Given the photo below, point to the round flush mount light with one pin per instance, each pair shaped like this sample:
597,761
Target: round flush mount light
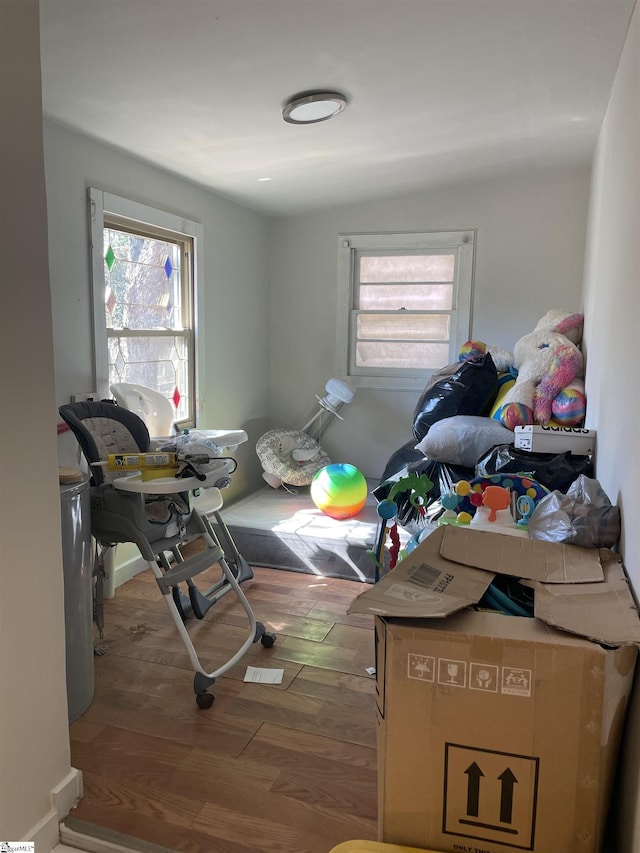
310,107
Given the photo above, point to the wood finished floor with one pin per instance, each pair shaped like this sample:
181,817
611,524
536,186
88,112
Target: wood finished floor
287,768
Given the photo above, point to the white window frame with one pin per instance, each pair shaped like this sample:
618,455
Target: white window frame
459,243
101,203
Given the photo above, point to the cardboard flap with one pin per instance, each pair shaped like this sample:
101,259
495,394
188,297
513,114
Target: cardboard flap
604,612
535,559
424,585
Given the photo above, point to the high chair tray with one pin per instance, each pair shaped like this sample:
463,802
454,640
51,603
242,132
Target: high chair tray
168,485
226,437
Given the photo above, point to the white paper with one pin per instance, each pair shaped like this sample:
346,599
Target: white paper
258,675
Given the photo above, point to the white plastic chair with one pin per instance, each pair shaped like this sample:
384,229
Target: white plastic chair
150,405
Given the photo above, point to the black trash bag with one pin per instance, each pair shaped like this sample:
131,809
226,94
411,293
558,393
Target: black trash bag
401,459
556,471
443,477
463,388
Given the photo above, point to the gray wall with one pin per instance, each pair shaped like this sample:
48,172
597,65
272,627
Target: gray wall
529,258
233,389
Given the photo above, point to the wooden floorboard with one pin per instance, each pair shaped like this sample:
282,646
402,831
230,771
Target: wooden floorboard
288,768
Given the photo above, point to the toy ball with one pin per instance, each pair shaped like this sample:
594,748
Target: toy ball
463,487
387,510
339,490
516,414
568,408
471,349
450,501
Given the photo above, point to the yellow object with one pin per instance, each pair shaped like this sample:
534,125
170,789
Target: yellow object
504,389
155,473
376,847
141,461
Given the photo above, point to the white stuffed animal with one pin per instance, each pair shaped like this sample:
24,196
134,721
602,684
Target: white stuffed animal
548,360
549,387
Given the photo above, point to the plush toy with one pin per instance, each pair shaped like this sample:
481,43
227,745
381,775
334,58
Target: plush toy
548,371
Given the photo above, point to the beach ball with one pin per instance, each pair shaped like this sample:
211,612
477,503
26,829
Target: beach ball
569,407
339,490
515,414
471,349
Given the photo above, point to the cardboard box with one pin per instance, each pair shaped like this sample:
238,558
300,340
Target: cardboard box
499,733
548,439
374,847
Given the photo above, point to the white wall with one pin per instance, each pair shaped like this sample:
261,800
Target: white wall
36,777
612,343
529,258
233,381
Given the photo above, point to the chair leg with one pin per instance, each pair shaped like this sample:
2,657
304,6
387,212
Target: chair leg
181,601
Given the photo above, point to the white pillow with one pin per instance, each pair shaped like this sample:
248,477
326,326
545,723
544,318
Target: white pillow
463,439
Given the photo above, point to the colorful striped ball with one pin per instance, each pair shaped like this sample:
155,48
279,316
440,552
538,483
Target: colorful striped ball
339,490
471,349
569,407
516,414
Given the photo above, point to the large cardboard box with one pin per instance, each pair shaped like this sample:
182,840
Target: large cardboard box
500,733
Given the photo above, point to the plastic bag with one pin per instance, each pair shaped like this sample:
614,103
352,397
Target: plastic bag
401,459
584,516
555,471
193,442
462,388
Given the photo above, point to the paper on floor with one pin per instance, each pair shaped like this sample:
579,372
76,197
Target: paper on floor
260,675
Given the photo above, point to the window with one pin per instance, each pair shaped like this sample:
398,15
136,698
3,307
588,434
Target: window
404,306
144,269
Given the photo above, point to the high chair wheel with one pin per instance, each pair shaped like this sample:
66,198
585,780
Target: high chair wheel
268,640
204,700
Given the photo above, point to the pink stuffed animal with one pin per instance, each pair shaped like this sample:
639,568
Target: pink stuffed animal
549,364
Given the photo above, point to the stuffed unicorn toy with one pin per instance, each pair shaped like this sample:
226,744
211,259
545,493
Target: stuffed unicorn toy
549,386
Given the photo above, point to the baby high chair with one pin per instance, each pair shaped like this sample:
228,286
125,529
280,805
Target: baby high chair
158,413
158,515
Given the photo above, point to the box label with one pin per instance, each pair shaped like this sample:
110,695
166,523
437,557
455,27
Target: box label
484,676
490,795
474,675
516,681
421,667
452,672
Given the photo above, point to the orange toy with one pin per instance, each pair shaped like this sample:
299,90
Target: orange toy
496,498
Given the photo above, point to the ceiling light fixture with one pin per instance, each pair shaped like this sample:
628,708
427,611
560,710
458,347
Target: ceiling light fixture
310,107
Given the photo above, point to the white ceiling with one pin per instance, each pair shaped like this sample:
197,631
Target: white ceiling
439,90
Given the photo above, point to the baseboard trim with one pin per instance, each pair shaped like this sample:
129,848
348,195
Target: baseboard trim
95,839
128,569
68,793
46,833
